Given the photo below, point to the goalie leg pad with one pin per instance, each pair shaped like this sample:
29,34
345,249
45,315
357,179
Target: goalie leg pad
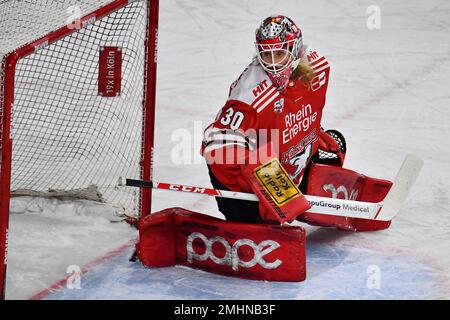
336,182
252,251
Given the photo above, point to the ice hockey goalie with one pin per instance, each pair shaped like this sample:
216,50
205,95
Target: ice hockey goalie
278,100
268,136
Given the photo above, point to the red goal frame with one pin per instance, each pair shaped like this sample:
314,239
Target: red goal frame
10,62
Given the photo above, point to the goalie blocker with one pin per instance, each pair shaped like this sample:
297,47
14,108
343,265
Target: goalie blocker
261,173
176,236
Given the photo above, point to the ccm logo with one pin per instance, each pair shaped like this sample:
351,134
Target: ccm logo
231,257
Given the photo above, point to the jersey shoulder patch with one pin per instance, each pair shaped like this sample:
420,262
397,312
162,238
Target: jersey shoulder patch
254,88
317,61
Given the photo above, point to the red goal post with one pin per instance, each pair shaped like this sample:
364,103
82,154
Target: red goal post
56,130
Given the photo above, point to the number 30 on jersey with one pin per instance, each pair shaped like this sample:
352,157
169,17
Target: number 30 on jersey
232,118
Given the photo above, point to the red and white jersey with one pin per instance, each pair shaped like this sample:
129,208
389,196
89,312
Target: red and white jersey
291,118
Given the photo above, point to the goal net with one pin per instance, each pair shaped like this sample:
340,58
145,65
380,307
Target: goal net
77,94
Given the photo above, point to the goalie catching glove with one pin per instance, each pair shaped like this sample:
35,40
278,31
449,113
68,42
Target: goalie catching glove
331,148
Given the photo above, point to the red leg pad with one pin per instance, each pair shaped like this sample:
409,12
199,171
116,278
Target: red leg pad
336,182
252,251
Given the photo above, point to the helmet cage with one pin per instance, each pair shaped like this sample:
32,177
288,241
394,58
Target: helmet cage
279,48
266,55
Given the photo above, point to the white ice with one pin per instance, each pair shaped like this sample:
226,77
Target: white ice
388,94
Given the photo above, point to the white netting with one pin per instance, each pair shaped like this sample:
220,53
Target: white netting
66,136
23,21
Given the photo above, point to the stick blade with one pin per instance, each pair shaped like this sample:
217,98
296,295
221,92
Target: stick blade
403,183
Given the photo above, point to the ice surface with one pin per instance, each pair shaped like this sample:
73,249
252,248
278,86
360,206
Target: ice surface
388,94
334,272
49,236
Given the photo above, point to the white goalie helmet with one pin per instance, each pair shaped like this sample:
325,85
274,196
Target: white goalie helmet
279,48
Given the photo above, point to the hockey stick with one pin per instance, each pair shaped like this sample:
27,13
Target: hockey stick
383,211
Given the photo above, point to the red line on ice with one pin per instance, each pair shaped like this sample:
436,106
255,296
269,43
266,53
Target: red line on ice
62,282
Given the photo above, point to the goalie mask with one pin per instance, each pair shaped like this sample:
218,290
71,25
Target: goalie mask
279,47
